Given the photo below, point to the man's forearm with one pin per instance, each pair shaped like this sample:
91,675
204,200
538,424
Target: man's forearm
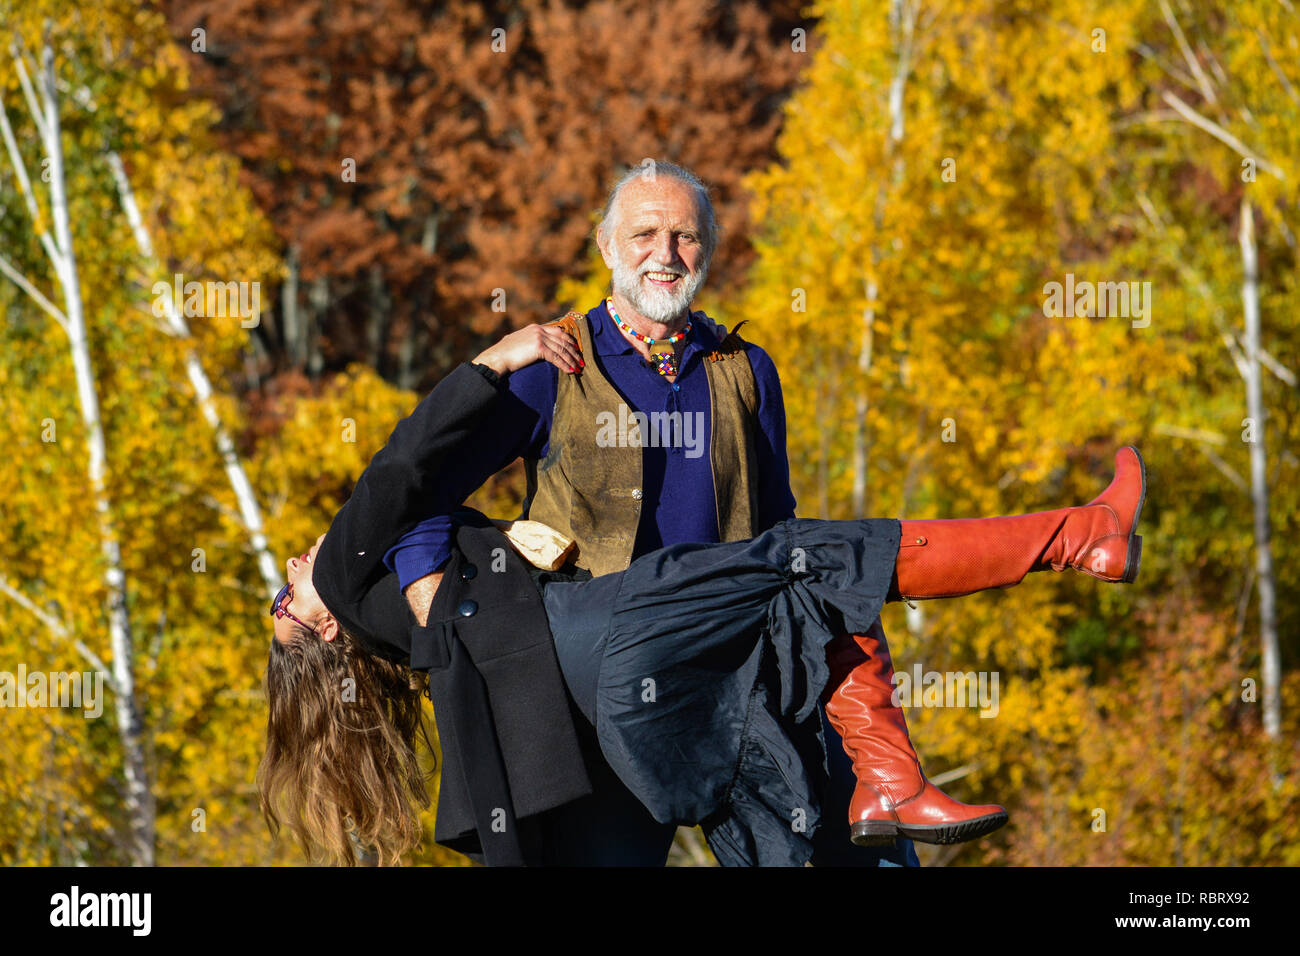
419,594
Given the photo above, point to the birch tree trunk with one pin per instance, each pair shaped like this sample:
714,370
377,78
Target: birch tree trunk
1272,674
319,294
902,23
249,511
294,339
378,308
137,796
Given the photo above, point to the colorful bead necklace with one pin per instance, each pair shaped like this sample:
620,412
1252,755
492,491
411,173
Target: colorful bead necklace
663,350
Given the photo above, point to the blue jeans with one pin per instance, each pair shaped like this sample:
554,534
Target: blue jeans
611,827
832,846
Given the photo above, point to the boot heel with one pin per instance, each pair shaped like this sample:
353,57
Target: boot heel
1134,560
873,833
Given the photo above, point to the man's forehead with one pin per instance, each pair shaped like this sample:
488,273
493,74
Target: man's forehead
652,202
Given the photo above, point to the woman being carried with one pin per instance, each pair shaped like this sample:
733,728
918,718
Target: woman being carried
700,666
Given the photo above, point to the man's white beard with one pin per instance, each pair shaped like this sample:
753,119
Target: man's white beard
657,305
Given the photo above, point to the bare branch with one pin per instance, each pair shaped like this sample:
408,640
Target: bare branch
58,629
19,53
1219,133
1202,81
1192,434
1277,70
1145,118
1216,315
1147,53
1277,368
1203,440
948,776
1215,66
20,280
25,187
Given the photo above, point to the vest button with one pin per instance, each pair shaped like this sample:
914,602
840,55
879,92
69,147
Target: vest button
467,608
636,494
468,572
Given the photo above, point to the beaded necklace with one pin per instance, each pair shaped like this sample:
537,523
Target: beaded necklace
662,350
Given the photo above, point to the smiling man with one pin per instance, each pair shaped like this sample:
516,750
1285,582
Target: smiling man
641,355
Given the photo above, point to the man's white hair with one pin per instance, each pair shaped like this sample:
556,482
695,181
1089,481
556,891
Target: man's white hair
653,170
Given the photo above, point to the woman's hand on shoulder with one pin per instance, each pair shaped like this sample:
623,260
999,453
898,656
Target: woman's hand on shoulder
533,343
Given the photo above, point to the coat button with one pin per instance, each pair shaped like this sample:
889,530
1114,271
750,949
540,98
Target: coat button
467,608
636,494
468,572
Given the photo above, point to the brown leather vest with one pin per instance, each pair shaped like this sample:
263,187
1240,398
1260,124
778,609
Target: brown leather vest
589,488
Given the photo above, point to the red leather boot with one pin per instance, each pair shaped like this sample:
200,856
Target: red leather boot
948,559
893,798
939,559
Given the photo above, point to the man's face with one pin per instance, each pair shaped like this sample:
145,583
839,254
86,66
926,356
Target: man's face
305,603
656,249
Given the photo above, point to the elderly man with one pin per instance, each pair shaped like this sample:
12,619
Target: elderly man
689,447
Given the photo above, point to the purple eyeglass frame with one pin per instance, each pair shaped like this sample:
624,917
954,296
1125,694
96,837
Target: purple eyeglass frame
278,609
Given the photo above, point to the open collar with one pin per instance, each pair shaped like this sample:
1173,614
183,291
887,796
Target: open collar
608,340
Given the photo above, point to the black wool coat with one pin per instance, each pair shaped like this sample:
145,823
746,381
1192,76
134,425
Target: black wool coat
505,721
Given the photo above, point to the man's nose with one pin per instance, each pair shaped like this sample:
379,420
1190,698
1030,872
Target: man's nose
666,250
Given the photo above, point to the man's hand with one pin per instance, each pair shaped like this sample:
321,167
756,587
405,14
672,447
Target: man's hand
530,344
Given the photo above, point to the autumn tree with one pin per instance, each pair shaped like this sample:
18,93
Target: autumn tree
943,166
432,168
113,508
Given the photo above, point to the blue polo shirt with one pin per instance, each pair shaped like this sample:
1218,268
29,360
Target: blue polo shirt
677,476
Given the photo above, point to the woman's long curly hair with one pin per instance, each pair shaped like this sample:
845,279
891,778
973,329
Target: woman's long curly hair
340,769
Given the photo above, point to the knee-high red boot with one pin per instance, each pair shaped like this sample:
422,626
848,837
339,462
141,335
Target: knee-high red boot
950,558
947,559
893,798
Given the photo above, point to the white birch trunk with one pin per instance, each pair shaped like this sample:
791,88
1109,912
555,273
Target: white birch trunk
1272,674
292,325
902,22
138,799
249,511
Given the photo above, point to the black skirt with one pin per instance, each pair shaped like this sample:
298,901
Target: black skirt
702,667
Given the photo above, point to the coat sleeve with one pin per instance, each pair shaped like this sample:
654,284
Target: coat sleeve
399,488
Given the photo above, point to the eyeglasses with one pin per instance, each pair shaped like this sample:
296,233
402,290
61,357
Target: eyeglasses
278,609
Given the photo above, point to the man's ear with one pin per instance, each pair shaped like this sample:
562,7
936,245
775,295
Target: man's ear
328,629
603,244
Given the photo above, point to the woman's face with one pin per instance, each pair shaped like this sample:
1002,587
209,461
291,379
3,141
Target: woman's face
303,601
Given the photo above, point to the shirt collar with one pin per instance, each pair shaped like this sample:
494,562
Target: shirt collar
608,340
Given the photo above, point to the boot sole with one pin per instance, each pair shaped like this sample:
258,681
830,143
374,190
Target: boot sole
1133,556
1135,540
883,832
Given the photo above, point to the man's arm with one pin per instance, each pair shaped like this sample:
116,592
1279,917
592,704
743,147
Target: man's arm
419,594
